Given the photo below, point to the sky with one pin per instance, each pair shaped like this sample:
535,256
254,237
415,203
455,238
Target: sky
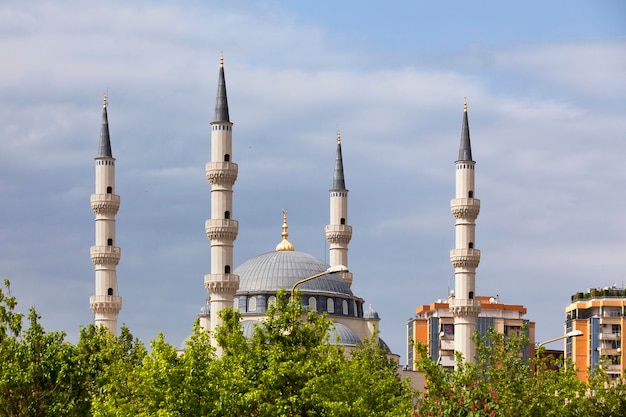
545,85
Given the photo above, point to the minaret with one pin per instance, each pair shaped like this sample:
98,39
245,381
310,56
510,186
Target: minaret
465,257
338,232
221,229
105,304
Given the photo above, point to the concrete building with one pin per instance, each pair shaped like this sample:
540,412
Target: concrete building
434,326
600,313
106,303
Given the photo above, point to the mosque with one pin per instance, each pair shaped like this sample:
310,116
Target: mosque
251,287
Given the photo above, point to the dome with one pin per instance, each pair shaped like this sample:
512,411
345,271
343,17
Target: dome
342,335
272,271
384,346
370,313
205,310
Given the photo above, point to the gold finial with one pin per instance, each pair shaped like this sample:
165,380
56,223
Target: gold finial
104,103
465,104
338,135
284,245
221,59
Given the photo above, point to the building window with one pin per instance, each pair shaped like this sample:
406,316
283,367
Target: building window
345,307
343,221
252,304
312,304
471,245
110,291
227,214
227,269
227,158
271,301
109,242
471,295
330,305
470,194
109,190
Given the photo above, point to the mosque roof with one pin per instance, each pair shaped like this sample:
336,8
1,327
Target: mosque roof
272,271
342,335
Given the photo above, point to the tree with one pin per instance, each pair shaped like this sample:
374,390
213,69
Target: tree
502,383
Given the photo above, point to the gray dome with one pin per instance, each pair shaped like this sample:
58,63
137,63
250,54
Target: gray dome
370,313
342,335
383,345
272,271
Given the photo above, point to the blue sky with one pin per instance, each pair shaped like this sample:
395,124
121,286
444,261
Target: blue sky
545,86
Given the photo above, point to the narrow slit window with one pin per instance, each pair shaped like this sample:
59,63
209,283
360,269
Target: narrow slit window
109,190
227,158
110,291
109,242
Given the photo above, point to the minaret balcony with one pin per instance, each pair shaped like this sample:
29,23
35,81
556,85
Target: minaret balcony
105,255
465,258
338,233
101,304
221,229
221,173
221,283
465,208
105,203
464,307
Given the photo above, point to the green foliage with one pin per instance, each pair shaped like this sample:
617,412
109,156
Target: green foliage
502,383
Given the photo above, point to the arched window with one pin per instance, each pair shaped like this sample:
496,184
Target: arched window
110,291
471,295
471,245
226,158
345,307
227,269
252,304
109,242
109,190
470,194
330,305
312,304
271,301
227,214
343,221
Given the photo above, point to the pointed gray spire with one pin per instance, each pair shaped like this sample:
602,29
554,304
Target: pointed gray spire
221,103
338,180
465,150
105,142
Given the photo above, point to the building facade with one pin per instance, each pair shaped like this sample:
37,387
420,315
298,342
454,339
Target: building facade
433,326
600,313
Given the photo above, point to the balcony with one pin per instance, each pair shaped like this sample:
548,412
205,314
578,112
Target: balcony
221,173
221,229
105,203
468,258
105,255
221,283
105,303
465,208
338,233
610,336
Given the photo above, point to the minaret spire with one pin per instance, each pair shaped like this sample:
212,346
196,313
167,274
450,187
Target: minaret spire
221,102
104,149
465,257
338,232
105,304
465,149
221,229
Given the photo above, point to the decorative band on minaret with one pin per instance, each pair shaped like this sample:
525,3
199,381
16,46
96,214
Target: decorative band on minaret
465,257
338,232
105,304
221,229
